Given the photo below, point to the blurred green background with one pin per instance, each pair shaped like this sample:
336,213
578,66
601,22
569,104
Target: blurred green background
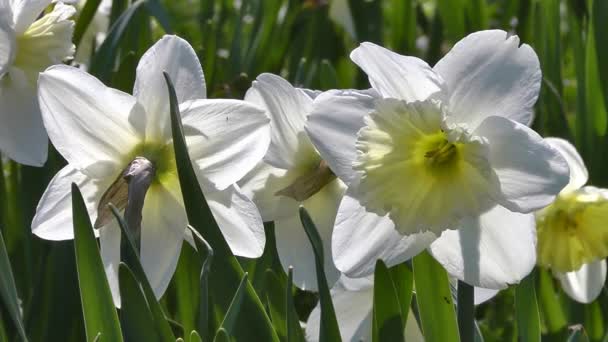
308,43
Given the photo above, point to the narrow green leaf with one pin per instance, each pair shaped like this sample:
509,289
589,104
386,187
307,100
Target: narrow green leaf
328,76
226,270
130,256
578,334
403,280
600,29
526,310
8,290
204,323
387,322
84,19
222,336
554,316
156,9
135,315
434,299
329,330
466,311
124,78
294,332
195,337
229,322
97,305
277,302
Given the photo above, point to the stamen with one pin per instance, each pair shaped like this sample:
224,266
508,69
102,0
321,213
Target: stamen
444,153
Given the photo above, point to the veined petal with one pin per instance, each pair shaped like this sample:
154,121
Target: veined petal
530,171
292,243
109,243
578,172
53,219
396,76
360,238
239,221
176,57
353,306
482,295
226,138
333,125
25,12
262,185
22,134
93,127
489,74
585,284
7,43
492,251
163,227
288,108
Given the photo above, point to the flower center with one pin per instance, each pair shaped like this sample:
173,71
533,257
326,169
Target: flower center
572,231
425,175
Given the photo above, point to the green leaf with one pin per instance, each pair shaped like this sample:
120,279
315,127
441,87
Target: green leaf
329,330
204,322
554,317
226,270
97,304
135,315
403,280
195,337
526,310
156,9
466,311
222,336
277,302
387,322
84,19
600,29
8,290
294,331
434,299
578,334
229,322
131,257
103,61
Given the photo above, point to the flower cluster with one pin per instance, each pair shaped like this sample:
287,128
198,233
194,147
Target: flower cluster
429,158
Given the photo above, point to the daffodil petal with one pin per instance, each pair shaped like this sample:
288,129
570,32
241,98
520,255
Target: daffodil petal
585,284
353,301
109,245
53,219
292,243
333,125
91,125
25,12
578,172
288,108
239,221
7,43
175,56
396,76
492,251
22,134
360,238
482,295
489,74
226,138
163,227
262,184
531,173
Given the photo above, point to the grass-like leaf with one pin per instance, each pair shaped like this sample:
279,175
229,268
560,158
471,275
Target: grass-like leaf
8,290
387,319
526,310
135,316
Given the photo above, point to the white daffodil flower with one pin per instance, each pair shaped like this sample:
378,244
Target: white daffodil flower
100,131
95,33
440,152
573,231
28,45
293,174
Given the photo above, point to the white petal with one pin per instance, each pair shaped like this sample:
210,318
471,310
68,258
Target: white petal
360,238
239,221
109,243
293,246
531,173
7,43
25,12
578,172
333,125
262,184
492,251
353,311
488,73
22,134
226,138
483,295
163,227
53,219
288,108
93,127
393,75
175,56
584,285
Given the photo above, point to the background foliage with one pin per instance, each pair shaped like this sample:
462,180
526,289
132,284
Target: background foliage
236,40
